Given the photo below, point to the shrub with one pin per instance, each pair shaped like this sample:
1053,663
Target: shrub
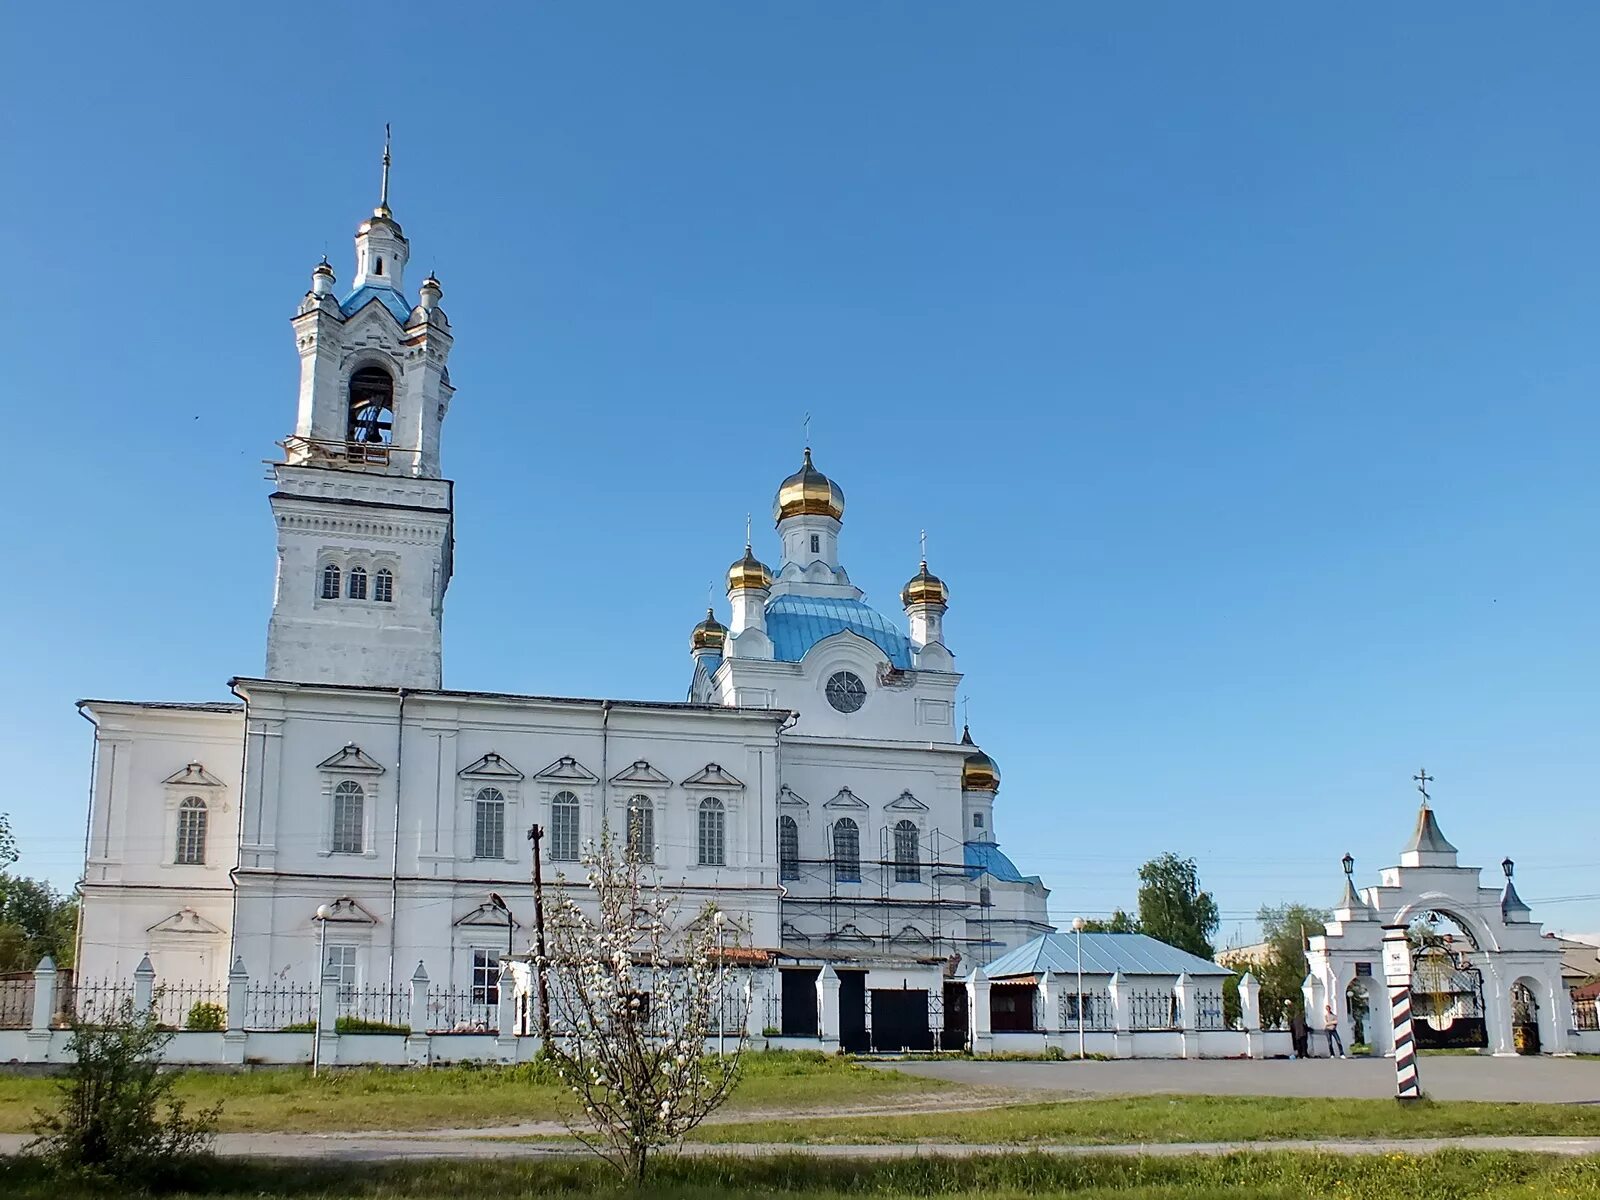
206,1018
362,1025
771,1031
110,1122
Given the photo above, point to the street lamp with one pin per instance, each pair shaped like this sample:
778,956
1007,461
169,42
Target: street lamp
1349,863
1077,930
494,899
718,919
321,918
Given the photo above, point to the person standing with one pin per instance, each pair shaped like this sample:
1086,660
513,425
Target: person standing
1330,1023
1299,1035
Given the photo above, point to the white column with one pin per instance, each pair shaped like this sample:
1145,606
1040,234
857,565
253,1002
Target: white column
144,985
828,1007
327,1034
1250,1002
1188,1002
233,1040
44,1007
507,1017
978,1012
418,1044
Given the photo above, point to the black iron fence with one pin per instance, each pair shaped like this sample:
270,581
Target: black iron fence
279,1005
1091,1010
16,1002
1208,1011
1152,1010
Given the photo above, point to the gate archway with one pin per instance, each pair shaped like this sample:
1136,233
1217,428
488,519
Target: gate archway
1524,1017
1446,988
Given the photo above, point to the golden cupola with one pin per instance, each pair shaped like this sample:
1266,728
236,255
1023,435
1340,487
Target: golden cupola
924,588
710,634
808,492
749,572
978,771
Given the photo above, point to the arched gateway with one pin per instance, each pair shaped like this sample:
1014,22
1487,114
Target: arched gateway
1483,976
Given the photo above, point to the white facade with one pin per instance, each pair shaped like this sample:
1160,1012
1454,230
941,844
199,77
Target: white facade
813,785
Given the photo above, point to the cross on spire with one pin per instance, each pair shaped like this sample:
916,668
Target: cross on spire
383,195
806,426
924,540
1422,779
747,533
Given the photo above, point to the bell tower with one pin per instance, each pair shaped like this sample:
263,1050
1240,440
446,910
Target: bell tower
365,520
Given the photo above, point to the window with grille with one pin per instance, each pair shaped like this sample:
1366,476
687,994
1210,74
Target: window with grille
564,827
383,586
330,581
489,825
358,583
349,819
816,544
713,829
907,864
846,851
642,829
342,964
191,832
977,820
485,977
788,848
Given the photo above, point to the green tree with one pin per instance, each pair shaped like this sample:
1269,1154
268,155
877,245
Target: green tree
1173,909
1282,968
35,920
1117,922
8,843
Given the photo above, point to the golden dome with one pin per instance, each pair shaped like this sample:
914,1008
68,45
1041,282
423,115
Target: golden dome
710,634
978,771
749,572
924,588
808,492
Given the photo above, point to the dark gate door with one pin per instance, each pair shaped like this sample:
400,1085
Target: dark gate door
800,1002
1524,1019
853,1012
1446,999
900,1020
954,1034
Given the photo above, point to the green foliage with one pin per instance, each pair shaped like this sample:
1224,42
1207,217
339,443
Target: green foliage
1173,909
205,1017
35,920
117,1118
362,1025
8,842
1283,968
1118,922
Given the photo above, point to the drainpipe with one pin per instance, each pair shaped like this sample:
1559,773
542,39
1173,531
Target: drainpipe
88,837
238,849
605,768
394,862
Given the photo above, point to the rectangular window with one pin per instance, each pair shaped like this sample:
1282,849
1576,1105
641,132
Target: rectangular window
485,977
349,819
564,828
977,820
191,833
816,544
489,834
342,963
642,829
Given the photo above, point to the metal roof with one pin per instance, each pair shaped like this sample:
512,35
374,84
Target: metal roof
1103,954
391,299
1427,837
797,623
985,858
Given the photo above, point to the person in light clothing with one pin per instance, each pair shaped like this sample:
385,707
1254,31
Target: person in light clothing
1330,1023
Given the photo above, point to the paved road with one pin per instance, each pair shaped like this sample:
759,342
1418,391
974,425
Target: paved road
1558,1080
396,1147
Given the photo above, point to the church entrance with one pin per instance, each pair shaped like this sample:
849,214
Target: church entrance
1524,1018
799,1015
1446,991
900,1020
954,1034
853,1038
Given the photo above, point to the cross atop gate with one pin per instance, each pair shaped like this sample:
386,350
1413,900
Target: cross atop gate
1422,779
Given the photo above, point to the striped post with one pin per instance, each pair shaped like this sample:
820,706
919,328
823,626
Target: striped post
1397,972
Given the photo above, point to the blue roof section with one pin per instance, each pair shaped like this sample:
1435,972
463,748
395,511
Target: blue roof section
797,623
392,300
985,857
1103,954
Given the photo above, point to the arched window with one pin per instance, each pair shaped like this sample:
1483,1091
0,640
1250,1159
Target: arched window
191,832
846,851
713,831
358,583
371,407
383,586
489,824
907,865
379,271
564,827
642,829
330,581
788,848
349,819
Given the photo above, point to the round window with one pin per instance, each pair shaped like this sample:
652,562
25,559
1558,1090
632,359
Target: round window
846,692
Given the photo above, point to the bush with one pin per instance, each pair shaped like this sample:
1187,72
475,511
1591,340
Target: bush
206,1018
362,1025
110,1122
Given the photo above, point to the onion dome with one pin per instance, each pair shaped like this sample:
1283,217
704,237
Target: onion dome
808,492
978,771
749,572
710,634
924,588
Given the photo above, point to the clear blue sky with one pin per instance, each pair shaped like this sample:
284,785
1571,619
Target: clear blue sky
1239,361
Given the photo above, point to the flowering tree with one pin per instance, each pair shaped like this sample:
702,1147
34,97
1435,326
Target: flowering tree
633,994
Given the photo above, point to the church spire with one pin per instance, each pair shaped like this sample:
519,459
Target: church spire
383,193
381,246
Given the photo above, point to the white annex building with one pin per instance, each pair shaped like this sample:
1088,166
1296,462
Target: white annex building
813,786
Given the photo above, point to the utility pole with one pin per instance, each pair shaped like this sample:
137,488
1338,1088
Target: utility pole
535,834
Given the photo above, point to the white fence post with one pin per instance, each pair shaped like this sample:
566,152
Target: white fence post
419,1045
828,1007
144,986
44,1007
1250,1014
506,993
978,1014
238,990
326,1051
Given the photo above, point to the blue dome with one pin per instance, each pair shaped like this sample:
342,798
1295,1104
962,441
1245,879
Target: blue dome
391,299
984,858
797,623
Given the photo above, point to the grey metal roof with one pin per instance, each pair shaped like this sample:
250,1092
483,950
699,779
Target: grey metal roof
1427,838
1103,954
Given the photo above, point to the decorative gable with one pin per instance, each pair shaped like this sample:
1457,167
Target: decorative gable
193,776
184,921
491,766
712,776
352,760
846,799
641,773
348,911
487,914
789,798
906,802
567,769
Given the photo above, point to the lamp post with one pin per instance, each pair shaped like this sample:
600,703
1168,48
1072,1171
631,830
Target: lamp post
722,980
494,899
1077,930
321,918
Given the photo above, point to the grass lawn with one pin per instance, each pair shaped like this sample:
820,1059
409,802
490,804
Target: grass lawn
289,1100
1450,1176
1176,1119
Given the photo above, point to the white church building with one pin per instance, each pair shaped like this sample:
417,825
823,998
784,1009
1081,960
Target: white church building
814,785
